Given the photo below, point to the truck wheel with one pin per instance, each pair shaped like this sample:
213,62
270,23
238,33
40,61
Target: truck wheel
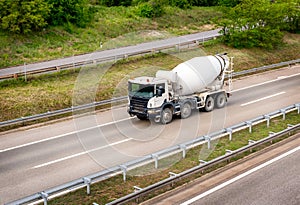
166,116
221,100
186,110
209,104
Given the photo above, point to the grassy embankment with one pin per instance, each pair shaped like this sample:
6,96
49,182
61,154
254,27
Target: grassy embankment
113,188
108,23
56,91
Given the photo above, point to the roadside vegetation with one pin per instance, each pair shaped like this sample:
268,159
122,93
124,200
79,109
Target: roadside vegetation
40,30
71,27
39,94
107,24
114,188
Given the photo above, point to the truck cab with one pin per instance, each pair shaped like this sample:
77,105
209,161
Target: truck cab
146,96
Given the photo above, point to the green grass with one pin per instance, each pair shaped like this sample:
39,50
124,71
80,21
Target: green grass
59,90
111,25
113,188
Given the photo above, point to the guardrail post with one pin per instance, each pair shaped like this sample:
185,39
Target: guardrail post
251,142
44,195
283,113
229,130
183,148
271,133
202,162
136,188
172,174
228,151
249,123
124,170
155,157
208,141
298,107
268,118
87,181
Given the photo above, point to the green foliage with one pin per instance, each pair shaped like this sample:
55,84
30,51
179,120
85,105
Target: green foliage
183,4
291,8
257,23
110,3
229,3
150,9
77,12
23,16
203,2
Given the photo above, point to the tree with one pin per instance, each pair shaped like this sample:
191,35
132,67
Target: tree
255,23
23,16
77,12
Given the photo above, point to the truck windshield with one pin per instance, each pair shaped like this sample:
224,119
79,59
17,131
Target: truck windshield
141,90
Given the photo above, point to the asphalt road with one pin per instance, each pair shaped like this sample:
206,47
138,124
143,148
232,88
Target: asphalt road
39,158
110,54
277,183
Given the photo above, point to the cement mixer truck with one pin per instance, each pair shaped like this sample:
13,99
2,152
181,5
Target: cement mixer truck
194,84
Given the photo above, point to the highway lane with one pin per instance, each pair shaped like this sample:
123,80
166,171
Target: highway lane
274,182
34,167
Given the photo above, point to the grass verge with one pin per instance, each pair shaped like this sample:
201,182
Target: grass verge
56,91
111,25
113,188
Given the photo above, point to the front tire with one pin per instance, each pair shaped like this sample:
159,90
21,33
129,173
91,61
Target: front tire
166,116
209,104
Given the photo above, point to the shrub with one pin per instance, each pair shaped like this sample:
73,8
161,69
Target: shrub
150,9
23,16
77,12
183,4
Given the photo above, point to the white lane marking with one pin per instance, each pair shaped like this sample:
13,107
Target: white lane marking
259,84
261,99
74,132
79,154
62,135
240,176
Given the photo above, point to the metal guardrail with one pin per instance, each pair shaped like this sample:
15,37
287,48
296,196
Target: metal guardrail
123,168
123,98
61,112
201,167
123,55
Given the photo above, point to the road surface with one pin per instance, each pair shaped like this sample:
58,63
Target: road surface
276,184
42,157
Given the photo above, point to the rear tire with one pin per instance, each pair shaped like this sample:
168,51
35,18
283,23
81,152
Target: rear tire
221,100
166,116
186,110
209,104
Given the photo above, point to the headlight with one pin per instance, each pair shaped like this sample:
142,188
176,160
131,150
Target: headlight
151,111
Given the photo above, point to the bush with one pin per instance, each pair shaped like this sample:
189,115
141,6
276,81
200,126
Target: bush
150,9
110,3
183,4
264,37
77,12
23,16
